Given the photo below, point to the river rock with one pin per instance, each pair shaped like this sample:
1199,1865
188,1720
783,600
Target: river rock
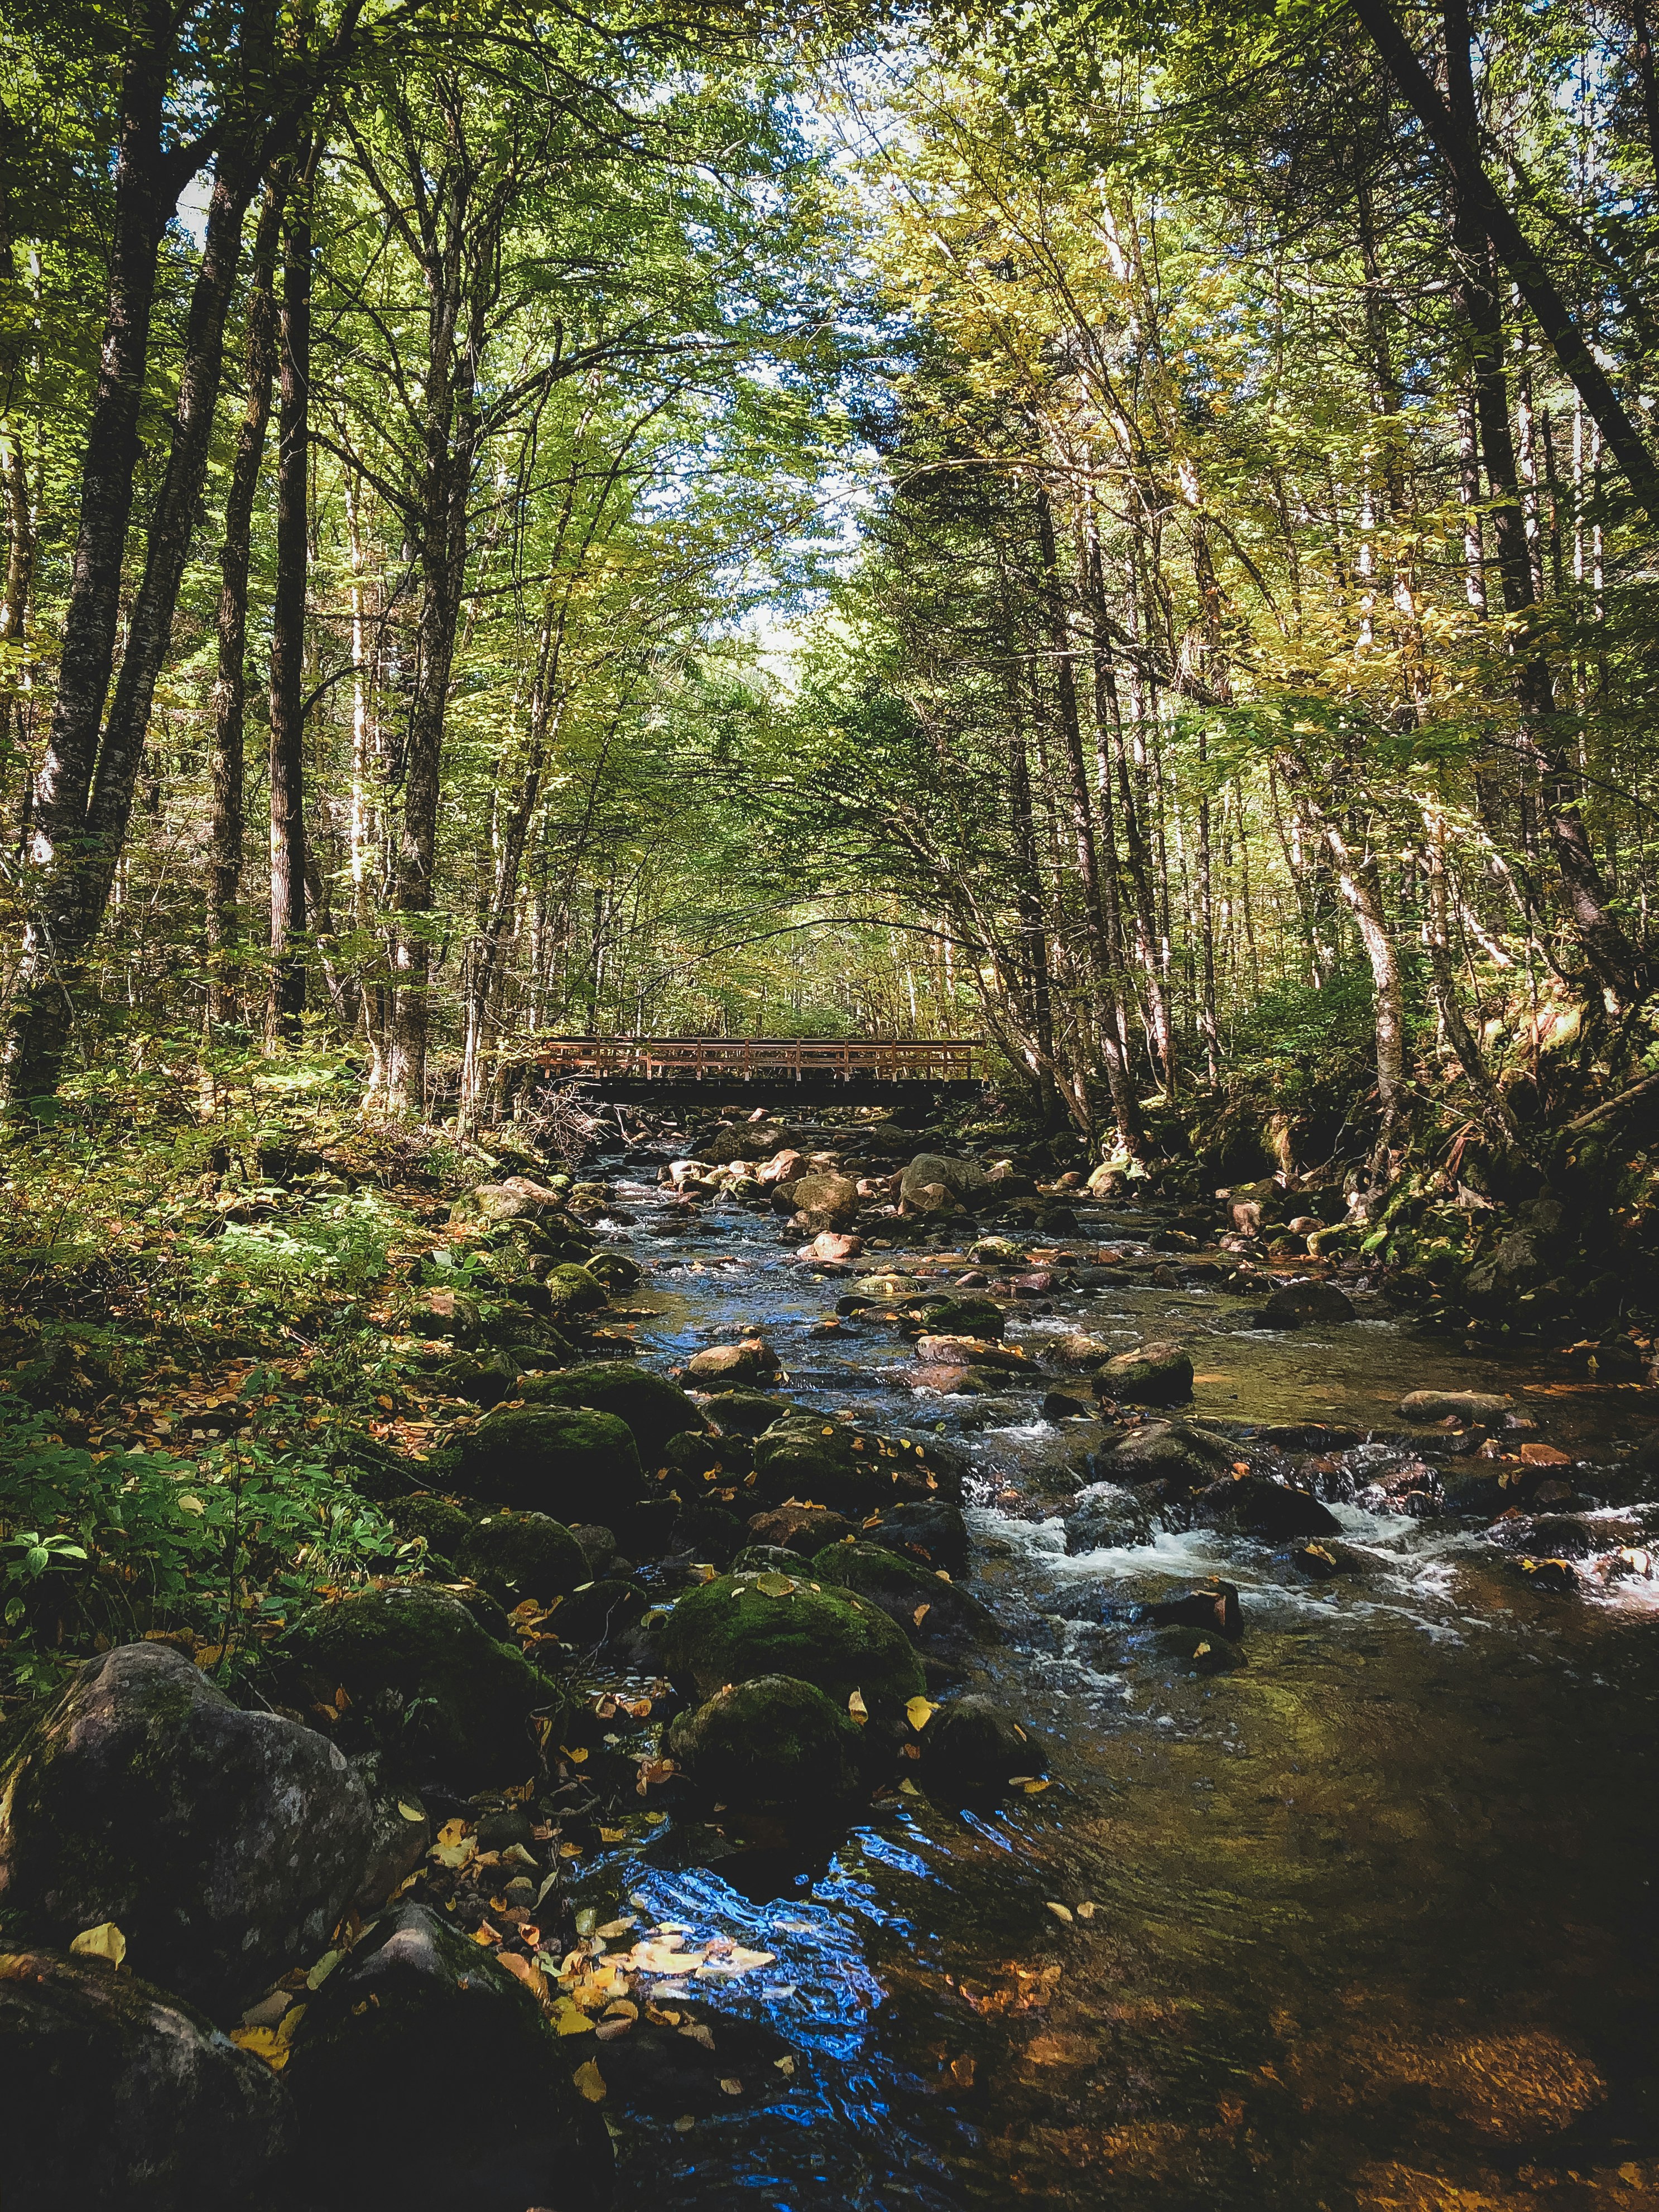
976,1352
1324,1558
116,2097
832,1247
482,1379
1214,1607
1153,1374
575,1465
225,1845
425,1684
449,1314
1105,1518
767,1560
772,1744
654,1408
425,2077
743,1366
944,1622
514,1556
656,2069
934,1182
707,1532
732,1629
615,1271
1255,1505
974,1747
933,1533
1476,1406
825,1201
964,1317
1205,1651
1079,1354
853,1470
997,1251
1305,1305
516,1198
1554,1577
799,1529
1179,1455
748,1412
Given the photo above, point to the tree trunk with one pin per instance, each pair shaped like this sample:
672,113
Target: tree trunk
230,685
288,624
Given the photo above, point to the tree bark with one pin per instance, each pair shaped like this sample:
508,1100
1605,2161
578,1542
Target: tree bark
287,627
230,685
1459,148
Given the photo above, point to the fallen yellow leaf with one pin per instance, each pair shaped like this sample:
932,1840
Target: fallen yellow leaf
589,2080
919,1711
106,1940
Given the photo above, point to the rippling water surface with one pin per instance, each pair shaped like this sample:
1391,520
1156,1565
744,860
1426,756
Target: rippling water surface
1370,1923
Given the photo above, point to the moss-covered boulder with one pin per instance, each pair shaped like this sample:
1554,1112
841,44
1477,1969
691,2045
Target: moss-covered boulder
770,1745
825,1201
1254,1505
933,1532
570,1290
937,1618
748,1412
736,1628
1178,1456
654,1408
974,1747
423,1684
481,1378
575,1464
514,1556
850,1469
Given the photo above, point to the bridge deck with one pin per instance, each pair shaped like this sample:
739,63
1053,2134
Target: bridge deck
841,1071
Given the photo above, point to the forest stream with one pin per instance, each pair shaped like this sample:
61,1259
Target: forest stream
1369,1921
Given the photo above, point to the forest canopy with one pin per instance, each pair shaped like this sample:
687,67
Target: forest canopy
1126,532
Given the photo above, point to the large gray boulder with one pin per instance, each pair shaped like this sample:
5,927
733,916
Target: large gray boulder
934,1181
114,2097
224,1844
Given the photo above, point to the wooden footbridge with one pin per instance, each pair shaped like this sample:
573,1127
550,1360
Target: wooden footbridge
641,1071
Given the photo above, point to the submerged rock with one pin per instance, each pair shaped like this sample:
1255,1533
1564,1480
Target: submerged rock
1321,1560
1106,1518
426,2077
733,1629
224,1844
974,1747
773,1743
119,2098
1481,1405
425,1684
1205,1650
1305,1305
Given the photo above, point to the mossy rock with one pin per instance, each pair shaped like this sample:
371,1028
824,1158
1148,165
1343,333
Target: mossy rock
1204,1650
514,1556
747,1412
424,1685
654,1408
570,1290
953,1621
733,1629
852,1470
976,1317
772,1744
481,1379
692,1461
574,1463
1152,1375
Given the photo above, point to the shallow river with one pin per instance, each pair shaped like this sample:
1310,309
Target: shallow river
1373,1917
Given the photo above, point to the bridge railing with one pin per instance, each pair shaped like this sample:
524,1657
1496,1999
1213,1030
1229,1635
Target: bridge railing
682,1059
